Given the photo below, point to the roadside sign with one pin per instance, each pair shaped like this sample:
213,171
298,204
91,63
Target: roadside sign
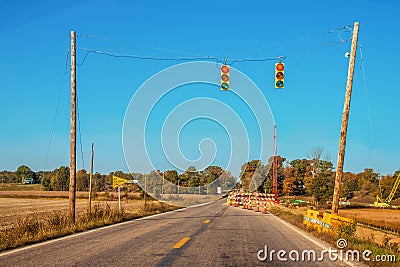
118,181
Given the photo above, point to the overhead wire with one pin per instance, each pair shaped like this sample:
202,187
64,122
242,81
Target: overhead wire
80,133
368,105
283,43
118,55
139,45
208,58
57,107
197,57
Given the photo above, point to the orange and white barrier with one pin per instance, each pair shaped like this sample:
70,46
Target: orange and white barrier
259,202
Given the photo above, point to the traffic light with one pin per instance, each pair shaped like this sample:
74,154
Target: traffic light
279,75
225,82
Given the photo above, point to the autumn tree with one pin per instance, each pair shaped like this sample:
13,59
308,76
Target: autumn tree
171,176
295,173
247,172
60,179
323,182
24,172
82,180
99,182
368,182
192,177
293,183
350,183
8,177
322,187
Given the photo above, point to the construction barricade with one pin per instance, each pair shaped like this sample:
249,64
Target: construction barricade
325,222
259,202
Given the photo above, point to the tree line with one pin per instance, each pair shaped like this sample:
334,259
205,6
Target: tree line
58,180
311,176
315,176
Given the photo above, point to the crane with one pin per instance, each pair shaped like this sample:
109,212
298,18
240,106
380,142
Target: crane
386,202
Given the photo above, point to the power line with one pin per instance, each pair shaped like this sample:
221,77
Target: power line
58,105
118,55
257,59
318,47
367,100
139,45
208,58
284,43
197,57
80,133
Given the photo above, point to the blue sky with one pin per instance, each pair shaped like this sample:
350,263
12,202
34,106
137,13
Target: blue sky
35,40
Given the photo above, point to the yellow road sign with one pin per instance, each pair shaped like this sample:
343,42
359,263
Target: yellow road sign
118,181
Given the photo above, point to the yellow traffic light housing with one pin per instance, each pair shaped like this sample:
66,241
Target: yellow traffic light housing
279,75
225,79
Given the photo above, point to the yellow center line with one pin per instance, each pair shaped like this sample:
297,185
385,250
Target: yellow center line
207,221
182,242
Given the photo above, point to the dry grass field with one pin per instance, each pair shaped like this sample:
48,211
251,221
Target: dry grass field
30,216
44,202
382,217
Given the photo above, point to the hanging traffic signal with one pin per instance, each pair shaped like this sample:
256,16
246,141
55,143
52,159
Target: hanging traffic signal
279,75
225,80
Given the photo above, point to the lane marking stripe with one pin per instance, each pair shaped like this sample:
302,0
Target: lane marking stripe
207,221
182,242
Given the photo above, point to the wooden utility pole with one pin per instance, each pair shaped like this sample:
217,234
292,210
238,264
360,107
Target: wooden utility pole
72,147
90,180
345,120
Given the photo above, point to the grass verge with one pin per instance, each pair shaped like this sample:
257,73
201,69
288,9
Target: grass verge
385,254
32,229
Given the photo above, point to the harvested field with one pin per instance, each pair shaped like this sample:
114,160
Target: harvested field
61,194
377,236
381,217
12,209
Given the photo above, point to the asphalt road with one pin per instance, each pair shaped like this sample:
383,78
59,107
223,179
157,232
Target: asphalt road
210,235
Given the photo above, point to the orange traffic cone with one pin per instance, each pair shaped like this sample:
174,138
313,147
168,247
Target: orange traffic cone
265,208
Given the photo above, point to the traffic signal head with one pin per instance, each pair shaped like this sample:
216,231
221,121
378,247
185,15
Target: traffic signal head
225,80
279,75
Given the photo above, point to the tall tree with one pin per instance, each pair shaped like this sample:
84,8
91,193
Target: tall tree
247,172
369,181
60,179
350,184
323,181
192,177
24,172
322,187
82,180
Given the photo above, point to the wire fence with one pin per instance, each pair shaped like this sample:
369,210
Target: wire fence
385,229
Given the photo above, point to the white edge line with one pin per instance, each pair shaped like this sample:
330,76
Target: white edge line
5,253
